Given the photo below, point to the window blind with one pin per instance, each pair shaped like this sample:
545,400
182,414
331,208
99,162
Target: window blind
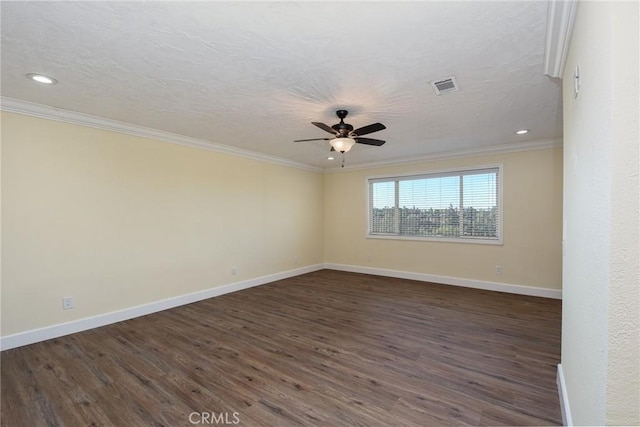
460,204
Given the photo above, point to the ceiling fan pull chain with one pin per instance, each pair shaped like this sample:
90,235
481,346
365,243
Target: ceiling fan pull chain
343,159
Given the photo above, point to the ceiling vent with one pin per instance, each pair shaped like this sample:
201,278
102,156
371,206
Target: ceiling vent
445,85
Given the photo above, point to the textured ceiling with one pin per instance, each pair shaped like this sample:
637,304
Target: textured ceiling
254,75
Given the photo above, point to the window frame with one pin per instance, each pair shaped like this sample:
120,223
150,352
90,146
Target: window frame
434,174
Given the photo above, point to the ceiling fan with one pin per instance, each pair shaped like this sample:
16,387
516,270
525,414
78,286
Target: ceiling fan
344,136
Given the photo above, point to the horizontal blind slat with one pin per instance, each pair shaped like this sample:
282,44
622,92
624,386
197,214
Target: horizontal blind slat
429,205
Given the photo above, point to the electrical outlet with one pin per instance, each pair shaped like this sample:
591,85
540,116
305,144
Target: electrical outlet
369,258
67,303
234,271
498,270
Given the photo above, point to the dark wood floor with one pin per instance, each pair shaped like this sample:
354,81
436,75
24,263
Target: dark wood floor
327,348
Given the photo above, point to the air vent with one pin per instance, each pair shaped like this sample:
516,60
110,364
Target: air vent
445,85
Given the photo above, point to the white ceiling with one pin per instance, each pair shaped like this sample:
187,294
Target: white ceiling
254,75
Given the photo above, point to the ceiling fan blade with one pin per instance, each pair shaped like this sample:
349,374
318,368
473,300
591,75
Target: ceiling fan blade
312,139
324,127
369,129
370,141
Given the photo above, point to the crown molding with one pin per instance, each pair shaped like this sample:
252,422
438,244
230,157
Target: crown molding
58,114
560,18
471,152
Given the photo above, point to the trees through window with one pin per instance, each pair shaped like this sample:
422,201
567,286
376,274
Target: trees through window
457,204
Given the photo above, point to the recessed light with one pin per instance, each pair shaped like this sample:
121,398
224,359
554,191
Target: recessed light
522,131
41,78
330,158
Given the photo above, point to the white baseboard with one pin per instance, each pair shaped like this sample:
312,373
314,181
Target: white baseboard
456,281
564,399
61,329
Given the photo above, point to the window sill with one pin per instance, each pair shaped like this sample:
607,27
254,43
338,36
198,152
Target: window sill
476,241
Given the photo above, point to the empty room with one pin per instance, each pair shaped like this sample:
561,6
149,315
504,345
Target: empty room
320,213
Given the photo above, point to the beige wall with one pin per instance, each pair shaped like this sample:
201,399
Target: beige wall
623,329
601,283
530,255
117,221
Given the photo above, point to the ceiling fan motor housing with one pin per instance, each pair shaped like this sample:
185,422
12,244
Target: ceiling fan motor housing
342,128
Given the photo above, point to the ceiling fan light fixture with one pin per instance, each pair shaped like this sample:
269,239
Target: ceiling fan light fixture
342,144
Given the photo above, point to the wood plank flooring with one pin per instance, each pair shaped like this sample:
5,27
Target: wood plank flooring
323,349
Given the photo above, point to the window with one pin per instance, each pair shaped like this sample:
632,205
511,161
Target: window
454,205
